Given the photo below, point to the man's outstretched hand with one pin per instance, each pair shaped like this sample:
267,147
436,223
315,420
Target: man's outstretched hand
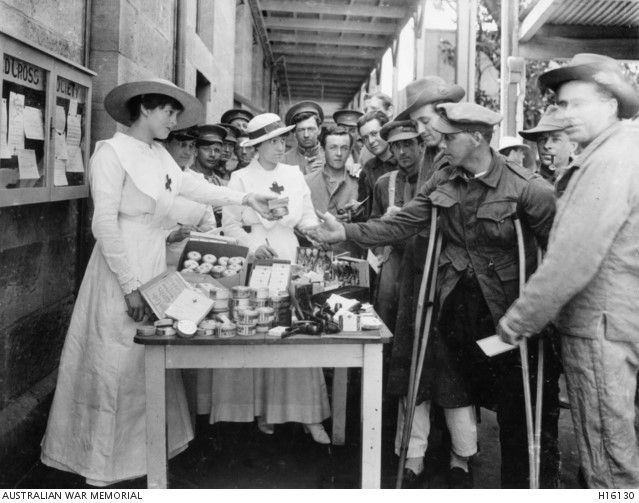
328,231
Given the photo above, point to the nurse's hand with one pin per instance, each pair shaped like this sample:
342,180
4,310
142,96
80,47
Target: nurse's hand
136,308
181,233
266,252
259,202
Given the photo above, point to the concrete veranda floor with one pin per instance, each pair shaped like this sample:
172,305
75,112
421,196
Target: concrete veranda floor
237,455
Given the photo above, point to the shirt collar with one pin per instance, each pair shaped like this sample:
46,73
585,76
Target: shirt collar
492,175
310,151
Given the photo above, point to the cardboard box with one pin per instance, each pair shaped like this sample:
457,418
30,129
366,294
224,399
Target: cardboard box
274,274
220,247
170,295
360,269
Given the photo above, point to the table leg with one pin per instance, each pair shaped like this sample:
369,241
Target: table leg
340,382
372,416
155,376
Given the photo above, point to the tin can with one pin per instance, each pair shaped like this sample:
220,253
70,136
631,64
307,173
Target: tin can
186,328
220,305
245,330
265,314
165,331
241,292
217,271
208,324
219,293
260,293
223,317
227,330
246,316
257,303
146,330
264,327
279,212
205,332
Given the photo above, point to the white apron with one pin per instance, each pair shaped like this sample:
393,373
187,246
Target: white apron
97,423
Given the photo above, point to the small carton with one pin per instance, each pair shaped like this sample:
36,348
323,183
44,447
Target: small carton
220,247
169,295
274,274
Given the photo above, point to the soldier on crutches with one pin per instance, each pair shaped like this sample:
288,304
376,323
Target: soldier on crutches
476,279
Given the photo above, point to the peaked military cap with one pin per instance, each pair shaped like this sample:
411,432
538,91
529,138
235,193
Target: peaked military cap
399,130
184,134
232,132
460,117
210,134
303,106
347,117
235,113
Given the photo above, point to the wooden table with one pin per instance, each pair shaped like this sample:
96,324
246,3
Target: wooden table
261,351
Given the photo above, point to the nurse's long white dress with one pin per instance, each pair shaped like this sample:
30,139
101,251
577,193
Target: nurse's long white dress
278,395
97,423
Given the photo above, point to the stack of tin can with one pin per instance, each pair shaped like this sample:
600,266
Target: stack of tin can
220,298
246,320
240,300
258,297
281,304
265,319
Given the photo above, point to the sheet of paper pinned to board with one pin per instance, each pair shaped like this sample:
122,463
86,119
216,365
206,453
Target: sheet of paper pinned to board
5,152
27,164
61,151
59,173
74,130
60,120
16,120
73,107
33,123
74,160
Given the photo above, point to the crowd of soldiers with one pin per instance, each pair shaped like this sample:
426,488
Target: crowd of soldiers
376,178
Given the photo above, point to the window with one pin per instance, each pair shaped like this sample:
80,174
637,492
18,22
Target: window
44,126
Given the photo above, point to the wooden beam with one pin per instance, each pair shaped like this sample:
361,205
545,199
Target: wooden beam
537,17
328,61
564,48
324,51
327,70
342,41
301,24
588,32
360,10
355,80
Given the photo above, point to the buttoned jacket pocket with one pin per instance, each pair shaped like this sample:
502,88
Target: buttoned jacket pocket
495,223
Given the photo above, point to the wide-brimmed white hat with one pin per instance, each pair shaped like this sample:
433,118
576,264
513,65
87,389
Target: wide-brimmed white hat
116,101
508,142
264,127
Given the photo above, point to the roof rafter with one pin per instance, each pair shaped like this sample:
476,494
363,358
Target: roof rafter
302,24
298,7
539,14
344,40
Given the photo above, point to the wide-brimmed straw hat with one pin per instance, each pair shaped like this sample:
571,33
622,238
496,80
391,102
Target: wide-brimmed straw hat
116,101
602,70
508,142
552,120
264,127
429,90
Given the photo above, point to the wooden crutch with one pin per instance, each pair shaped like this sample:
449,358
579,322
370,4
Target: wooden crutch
540,394
523,351
419,348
